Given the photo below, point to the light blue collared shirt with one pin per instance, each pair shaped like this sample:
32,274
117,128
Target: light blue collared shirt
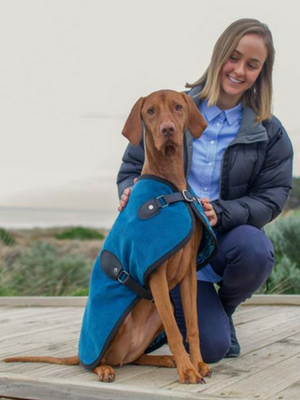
204,177
223,127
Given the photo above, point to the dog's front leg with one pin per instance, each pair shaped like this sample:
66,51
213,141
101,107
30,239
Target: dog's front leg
160,291
188,294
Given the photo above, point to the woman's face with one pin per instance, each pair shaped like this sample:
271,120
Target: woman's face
241,69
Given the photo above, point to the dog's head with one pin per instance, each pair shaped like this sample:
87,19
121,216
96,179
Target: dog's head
166,114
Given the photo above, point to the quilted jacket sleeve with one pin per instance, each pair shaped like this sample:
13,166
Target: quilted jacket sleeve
267,195
131,167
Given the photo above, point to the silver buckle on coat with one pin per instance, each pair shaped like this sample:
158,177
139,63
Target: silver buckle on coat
187,196
161,205
122,276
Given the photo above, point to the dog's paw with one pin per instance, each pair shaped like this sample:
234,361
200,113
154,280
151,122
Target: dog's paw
167,362
190,375
105,373
204,369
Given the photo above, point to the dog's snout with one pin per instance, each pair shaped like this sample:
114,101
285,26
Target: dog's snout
167,128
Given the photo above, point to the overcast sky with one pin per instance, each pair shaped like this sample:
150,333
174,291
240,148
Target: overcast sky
71,70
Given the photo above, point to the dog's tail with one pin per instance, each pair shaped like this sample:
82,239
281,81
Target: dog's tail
51,360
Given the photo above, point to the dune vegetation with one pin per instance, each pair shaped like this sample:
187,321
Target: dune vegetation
58,261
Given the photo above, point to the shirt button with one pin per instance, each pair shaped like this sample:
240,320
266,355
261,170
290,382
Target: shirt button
218,124
212,142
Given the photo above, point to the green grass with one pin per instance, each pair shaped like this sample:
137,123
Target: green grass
80,233
53,263
42,271
35,263
6,238
284,234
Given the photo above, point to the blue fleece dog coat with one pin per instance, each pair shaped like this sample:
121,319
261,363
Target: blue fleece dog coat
156,223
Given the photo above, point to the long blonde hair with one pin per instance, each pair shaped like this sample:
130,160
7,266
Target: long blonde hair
259,96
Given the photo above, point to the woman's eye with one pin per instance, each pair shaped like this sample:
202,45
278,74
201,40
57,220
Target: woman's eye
233,58
151,111
178,107
252,66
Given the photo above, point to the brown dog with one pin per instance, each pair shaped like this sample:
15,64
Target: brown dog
166,115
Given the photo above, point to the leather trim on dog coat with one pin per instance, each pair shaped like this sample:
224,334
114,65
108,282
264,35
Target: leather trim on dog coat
156,223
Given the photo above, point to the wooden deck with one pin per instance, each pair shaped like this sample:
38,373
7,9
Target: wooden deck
269,367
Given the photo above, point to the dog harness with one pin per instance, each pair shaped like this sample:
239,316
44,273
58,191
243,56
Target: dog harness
155,224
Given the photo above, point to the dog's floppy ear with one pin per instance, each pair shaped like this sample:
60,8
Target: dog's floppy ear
196,122
133,126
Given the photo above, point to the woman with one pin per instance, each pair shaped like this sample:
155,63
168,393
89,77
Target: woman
241,168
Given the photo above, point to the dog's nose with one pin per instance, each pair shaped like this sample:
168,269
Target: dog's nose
167,128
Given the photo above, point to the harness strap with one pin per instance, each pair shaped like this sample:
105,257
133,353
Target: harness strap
185,195
113,268
153,206
125,279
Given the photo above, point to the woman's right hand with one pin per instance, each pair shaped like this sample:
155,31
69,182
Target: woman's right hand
209,211
125,196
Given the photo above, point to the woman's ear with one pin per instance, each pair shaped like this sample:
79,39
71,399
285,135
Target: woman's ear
133,128
196,122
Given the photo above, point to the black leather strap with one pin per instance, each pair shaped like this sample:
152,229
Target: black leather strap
113,268
185,195
152,207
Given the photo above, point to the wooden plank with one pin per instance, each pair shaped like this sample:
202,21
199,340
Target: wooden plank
231,371
253,313
45,389
274,299
30,321
226,372
63,347
70,301
13,313
44,345
269,335
258,334
51,301
290,393
59,325
267,382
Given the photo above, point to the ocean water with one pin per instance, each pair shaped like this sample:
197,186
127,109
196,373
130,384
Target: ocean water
26,218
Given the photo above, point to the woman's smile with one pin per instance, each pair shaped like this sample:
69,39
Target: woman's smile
241,69
234,80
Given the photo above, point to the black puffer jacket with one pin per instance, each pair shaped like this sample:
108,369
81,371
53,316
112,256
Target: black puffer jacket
256,173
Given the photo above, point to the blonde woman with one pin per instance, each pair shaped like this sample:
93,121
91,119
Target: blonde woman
241,168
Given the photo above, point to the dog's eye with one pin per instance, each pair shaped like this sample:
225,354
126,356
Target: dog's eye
178,107
151,111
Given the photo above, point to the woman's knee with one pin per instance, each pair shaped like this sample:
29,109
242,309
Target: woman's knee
252,251
213,347
216,350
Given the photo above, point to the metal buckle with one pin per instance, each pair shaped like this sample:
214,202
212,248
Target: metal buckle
199,201
189,199
123,275
162,205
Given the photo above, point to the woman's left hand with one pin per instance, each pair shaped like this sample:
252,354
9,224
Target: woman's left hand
209,211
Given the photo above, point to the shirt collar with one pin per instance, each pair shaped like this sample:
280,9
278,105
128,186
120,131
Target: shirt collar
232,115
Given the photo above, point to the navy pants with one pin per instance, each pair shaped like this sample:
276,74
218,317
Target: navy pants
244,260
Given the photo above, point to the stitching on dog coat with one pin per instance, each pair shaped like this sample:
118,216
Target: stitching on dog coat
140,245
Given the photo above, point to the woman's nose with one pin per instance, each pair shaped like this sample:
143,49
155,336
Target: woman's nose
240,68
